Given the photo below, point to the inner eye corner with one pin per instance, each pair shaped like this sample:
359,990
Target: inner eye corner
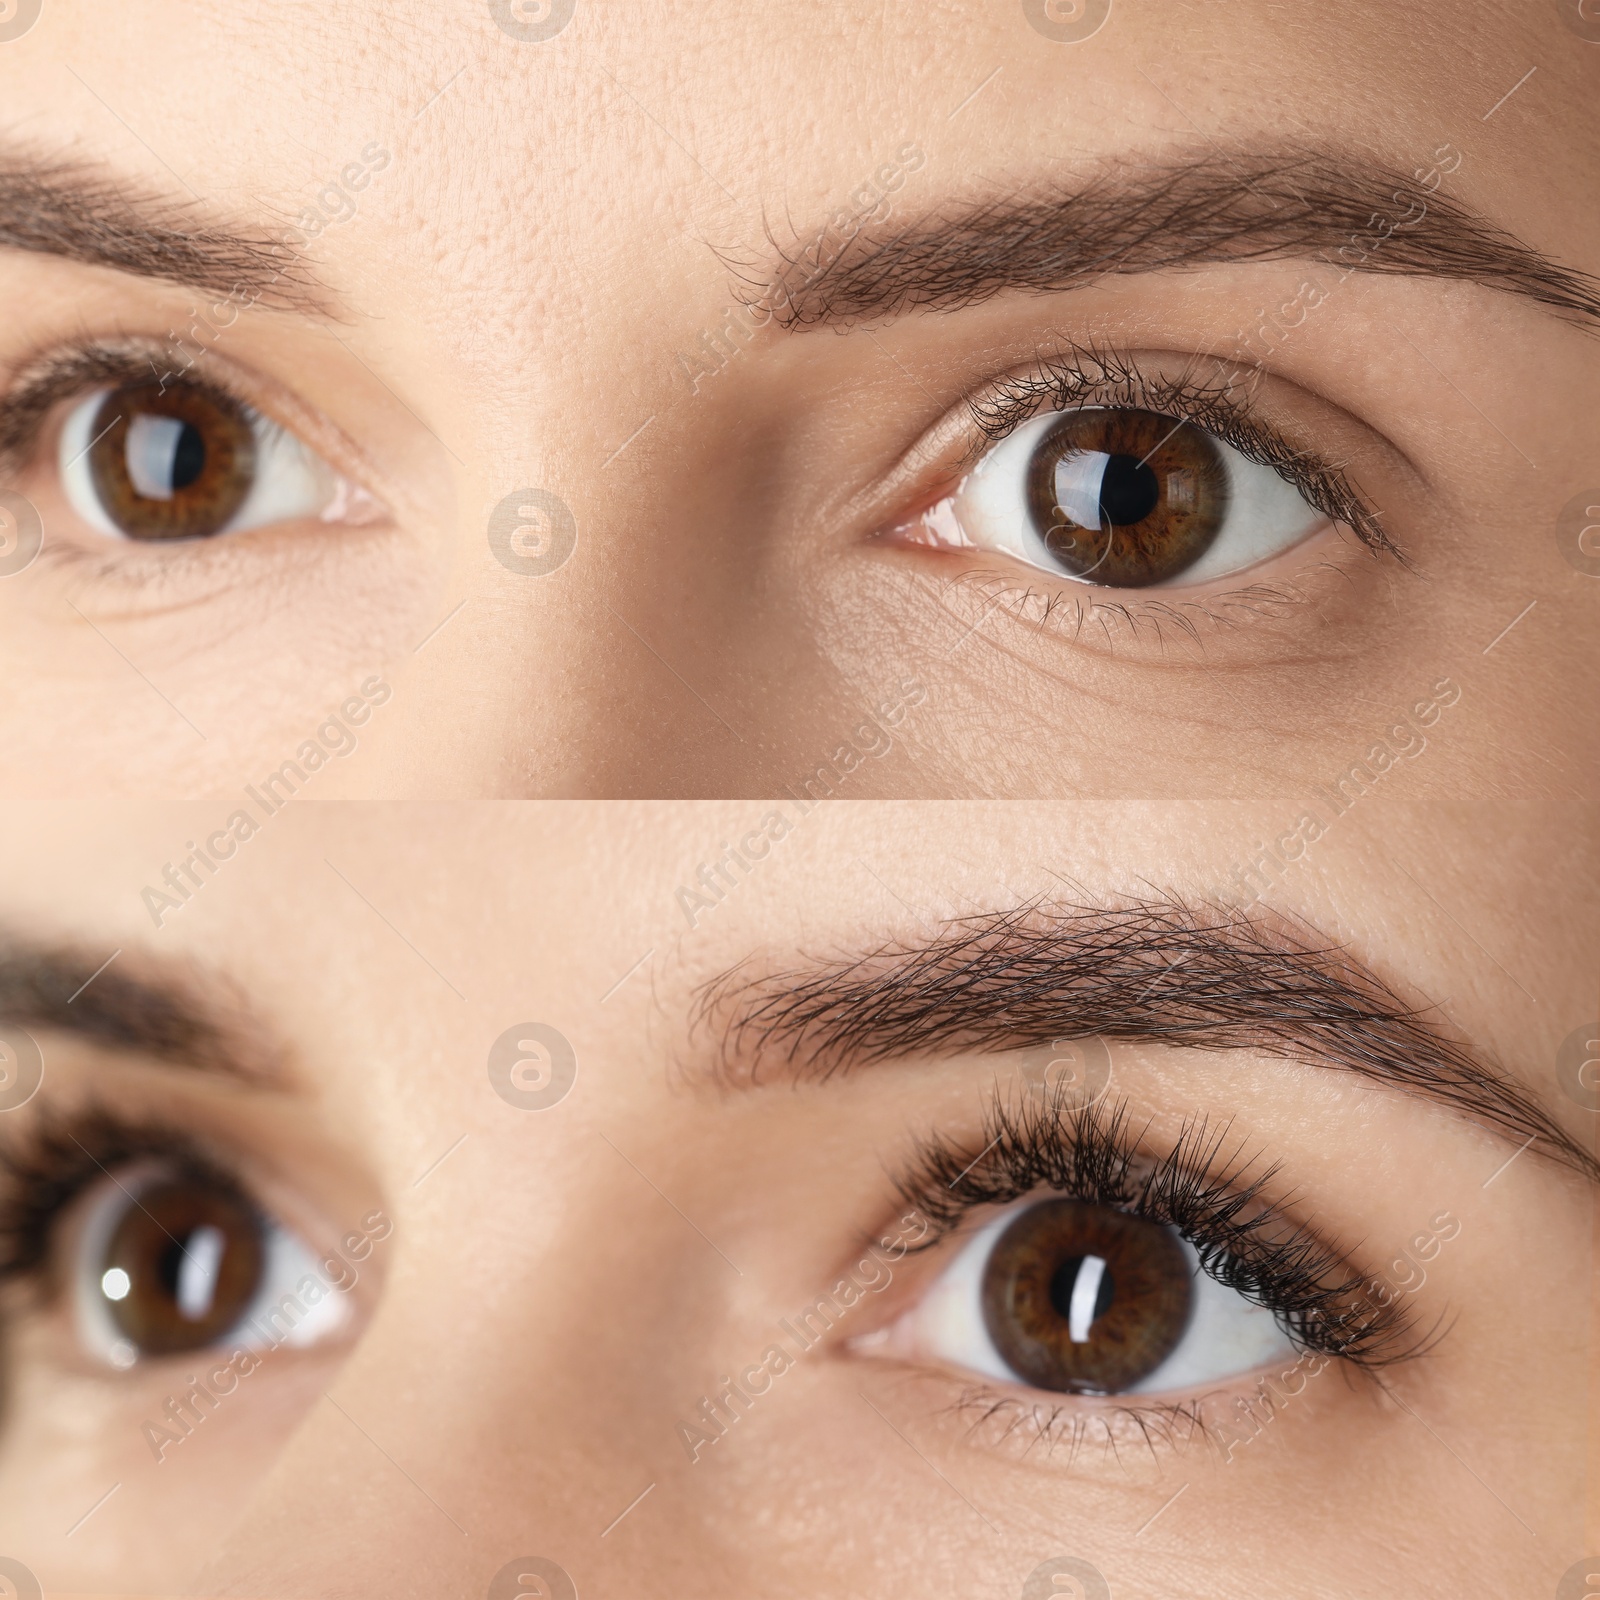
170,1259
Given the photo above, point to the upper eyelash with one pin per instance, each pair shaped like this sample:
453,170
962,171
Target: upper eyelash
66,374
44,1170
1213,1198
1080,376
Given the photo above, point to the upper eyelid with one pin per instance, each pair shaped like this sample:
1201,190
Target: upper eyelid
37,387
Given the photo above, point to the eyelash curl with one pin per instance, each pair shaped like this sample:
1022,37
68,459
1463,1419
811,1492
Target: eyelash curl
43,1171
1213,1197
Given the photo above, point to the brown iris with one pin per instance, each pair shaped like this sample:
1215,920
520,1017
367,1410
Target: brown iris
182,1266
1126,498
173,462
1084,1298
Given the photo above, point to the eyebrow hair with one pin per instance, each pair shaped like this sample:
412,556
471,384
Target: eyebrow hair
1187,210
81,212
175,1015
1157,970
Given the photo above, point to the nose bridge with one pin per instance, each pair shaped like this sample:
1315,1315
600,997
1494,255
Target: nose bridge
500,1405
404,1456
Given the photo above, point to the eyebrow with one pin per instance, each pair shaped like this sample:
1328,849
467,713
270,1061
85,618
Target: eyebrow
1188,210
82,212
1157,970
178,1016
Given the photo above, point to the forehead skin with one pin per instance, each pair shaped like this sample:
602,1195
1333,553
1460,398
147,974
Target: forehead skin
562,220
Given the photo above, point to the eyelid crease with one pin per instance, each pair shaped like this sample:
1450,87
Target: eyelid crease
1078,377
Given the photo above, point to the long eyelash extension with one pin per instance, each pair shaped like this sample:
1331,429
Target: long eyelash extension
44,1170
1078,377
1214,1199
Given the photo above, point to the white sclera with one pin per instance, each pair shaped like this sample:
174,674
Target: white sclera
286,1265
1227,1335
290,482
1266,514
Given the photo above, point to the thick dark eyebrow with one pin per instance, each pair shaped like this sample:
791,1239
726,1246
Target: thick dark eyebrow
82,212
132,1004
1188,210
1157,970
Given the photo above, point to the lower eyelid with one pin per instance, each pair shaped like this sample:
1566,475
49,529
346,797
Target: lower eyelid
1326,583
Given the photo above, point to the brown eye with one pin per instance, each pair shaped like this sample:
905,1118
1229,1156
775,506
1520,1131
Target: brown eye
170,463
181,1266
1084,1298
1126,498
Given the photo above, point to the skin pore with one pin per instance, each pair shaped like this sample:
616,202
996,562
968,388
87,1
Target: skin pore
641,342
767,1030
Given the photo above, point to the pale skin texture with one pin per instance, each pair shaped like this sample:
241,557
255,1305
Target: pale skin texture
561,1289
558,222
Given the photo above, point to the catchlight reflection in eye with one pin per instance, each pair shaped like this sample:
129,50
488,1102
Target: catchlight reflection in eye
1121,498
172,1263
1081,1298
165,461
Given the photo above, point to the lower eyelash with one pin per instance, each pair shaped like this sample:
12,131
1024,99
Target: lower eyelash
1075,1427
1081,376
1068,612
1221,1421
1214,1199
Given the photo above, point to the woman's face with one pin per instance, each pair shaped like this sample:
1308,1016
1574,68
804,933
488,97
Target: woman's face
646,1199
1165,430
573,399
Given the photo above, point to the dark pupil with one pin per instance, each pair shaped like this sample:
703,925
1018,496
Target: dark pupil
189,459
1065,1281
1129,491
190,1233
169,1266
